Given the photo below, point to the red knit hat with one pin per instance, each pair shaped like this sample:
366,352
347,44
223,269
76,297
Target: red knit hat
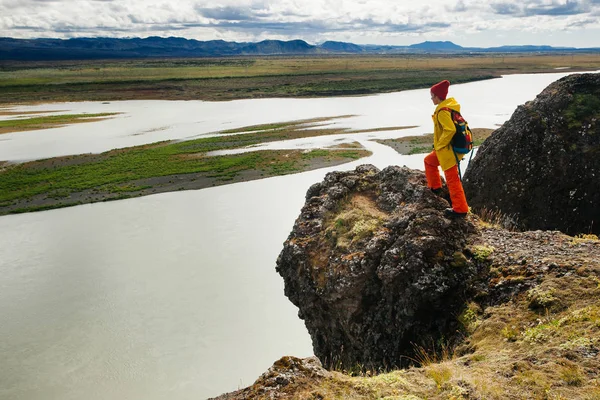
441,89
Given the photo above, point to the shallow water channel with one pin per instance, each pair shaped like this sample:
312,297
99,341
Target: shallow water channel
175,296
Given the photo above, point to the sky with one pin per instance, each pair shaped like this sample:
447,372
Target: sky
469,23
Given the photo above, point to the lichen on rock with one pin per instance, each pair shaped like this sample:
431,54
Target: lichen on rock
375,268
541,169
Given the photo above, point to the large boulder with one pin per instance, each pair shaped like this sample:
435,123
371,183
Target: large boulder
375,268
542,168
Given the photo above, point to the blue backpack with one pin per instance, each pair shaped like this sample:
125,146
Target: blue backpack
462,141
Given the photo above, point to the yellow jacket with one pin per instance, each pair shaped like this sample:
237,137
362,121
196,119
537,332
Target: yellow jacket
443,131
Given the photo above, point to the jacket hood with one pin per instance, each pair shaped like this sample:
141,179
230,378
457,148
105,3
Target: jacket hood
450,103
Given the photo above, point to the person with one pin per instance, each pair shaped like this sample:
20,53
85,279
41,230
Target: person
443,155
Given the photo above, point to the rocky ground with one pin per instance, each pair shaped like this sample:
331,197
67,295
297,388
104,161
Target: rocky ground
533,333
528,326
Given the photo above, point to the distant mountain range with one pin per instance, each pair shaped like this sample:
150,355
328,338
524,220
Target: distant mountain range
152,47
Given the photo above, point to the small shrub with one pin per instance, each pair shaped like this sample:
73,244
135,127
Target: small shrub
468,318
510,333
542,299
541,333
440,374
439,353
572,375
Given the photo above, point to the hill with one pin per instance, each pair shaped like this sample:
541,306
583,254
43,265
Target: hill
173,47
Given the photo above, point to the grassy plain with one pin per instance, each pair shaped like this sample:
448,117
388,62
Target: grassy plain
256,77
164,166
51,121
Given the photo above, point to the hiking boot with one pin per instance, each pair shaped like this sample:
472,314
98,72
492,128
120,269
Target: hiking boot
450,213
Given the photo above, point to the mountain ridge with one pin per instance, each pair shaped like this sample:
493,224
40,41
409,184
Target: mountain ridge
177,47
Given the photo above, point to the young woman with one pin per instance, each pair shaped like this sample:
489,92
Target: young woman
442,154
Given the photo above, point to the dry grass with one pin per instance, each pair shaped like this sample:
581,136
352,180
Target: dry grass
543,344
497,218
358,219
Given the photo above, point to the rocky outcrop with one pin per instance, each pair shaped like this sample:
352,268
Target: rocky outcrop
533,331
542,168
376,269
285,372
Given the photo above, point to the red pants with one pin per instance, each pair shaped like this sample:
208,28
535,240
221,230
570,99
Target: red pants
457,194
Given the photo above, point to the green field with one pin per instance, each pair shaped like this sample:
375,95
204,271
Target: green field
164,166
256,77
52,121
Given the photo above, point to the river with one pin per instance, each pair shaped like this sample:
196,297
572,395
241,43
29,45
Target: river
175,296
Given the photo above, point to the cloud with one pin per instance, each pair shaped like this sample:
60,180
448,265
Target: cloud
540,7
506,8
378,20
460,6
226,13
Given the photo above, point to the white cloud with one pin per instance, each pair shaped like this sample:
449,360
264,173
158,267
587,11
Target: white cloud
375,21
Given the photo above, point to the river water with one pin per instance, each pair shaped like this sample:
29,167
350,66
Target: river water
175,296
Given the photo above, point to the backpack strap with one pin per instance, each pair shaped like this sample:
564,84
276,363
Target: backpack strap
451,111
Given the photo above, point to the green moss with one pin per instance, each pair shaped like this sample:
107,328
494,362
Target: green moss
583,108
356,219
354,225
481,252
542,299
